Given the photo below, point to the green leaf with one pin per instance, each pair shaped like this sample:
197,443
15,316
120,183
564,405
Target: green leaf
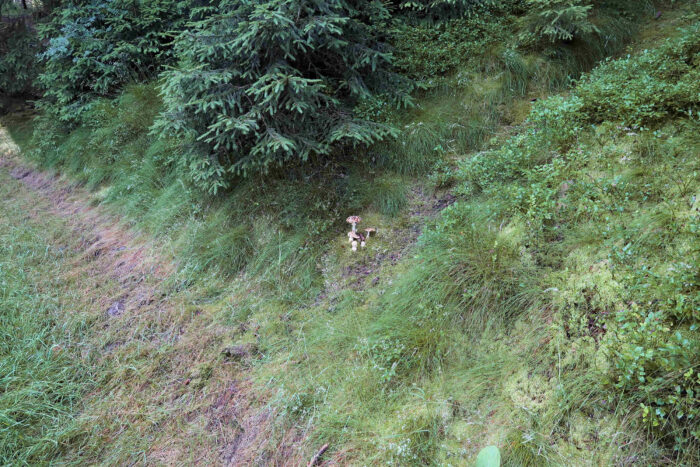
490,456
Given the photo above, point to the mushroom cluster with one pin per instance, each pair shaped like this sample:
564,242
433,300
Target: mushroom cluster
354,236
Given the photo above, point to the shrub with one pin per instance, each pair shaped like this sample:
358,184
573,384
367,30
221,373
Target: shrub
559,20
645,88
19,45
554,175
579,33
553,124
655,350
639,90
429,51
437,10
18,67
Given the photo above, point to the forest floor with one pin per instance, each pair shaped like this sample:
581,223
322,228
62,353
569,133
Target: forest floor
155,374
122,353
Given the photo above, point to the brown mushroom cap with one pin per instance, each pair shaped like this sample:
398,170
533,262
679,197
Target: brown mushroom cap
353,235
353,219
369,230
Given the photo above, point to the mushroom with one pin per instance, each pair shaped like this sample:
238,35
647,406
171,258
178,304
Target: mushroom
369,231
362,240
354,220
354,237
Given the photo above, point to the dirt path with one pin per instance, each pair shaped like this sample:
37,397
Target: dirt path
171,391
174,384
108,247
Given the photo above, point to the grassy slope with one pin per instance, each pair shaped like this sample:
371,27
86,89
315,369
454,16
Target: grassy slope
398,354
492,333
79,384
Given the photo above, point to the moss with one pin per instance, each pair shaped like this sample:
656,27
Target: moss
528,392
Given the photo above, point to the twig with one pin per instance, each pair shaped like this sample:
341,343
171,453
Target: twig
314,460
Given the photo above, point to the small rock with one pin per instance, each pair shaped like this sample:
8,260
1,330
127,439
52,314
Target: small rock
238,353
116,309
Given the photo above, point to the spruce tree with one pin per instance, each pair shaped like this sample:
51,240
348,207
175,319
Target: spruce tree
263,83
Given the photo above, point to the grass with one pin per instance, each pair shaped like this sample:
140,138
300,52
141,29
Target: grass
73,378
43,374
490,333
487,323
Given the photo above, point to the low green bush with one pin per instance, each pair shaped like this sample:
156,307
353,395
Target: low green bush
646,88
430,51
572,170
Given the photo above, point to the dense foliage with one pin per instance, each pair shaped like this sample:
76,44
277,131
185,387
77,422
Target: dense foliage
95,47
648,88
586,30
428,51
433,11
257,85
556,20
17,63
261,83
19,45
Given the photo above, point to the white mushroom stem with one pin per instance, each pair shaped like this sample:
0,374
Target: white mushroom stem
354,245
362,244
354,227
350,236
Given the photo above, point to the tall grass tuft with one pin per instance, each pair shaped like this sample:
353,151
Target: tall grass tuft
471,273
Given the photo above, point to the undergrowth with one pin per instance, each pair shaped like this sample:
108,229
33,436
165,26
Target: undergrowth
551,310
272,228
